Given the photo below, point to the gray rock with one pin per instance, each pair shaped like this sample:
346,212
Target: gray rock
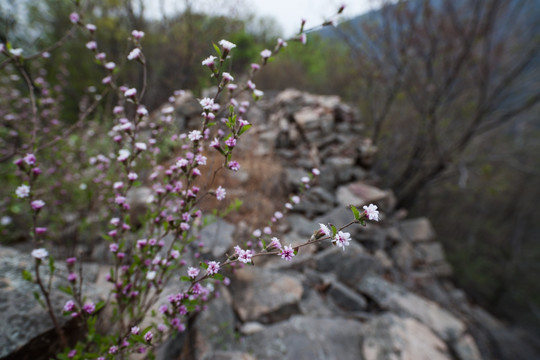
359,194
346,298
417,230
215,327
266,296
430,253
306,338
217,238
398,299
466,348
316,201
390,337
342,168
23,320
350,266
228,355
314,305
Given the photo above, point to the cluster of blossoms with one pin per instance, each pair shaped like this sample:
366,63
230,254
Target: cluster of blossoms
141,268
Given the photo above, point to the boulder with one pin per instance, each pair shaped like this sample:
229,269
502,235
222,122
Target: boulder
390,337
417,230
266,296
307,338
359,194
399,300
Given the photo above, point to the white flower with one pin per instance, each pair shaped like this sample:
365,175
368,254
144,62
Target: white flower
16,52
209,61
324,230
227,76
22,191
207,103
266,53
342,239
371,212
195,135
40,253
123,155
134,54
130,92
151,275
221,193
227,45
258,93
140,146
6,220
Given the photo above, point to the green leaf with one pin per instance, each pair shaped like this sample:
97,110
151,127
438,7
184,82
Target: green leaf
185,278
66,289
218,276
218,50
363,222
334,230
355,212
37,296
27,275
244,129
51,265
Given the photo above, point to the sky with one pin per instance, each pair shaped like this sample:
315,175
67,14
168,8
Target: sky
288,13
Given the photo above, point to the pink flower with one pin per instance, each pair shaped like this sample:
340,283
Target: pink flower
295,199
342,239
221,193
30,159
113,247
69,306
287,253
72,277
234,165
132,176
135,330
200,159
230,142
214,143
193,272
315,171
140,146
371,212
37,204
245,256
89,307
91,45
113,349
74,17
110,66
275,243
91,28
123,155
227,77
40,254
148,336
137,34
257,233
213,268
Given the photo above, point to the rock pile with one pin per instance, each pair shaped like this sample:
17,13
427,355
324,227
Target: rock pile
387,296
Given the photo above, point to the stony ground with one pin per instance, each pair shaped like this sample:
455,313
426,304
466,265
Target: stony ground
388,296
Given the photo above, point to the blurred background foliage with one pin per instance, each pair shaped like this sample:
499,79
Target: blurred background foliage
448,91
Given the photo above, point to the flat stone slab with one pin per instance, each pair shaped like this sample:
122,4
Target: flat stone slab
266,296
390,337
359,194
397,299
417,230
307,338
